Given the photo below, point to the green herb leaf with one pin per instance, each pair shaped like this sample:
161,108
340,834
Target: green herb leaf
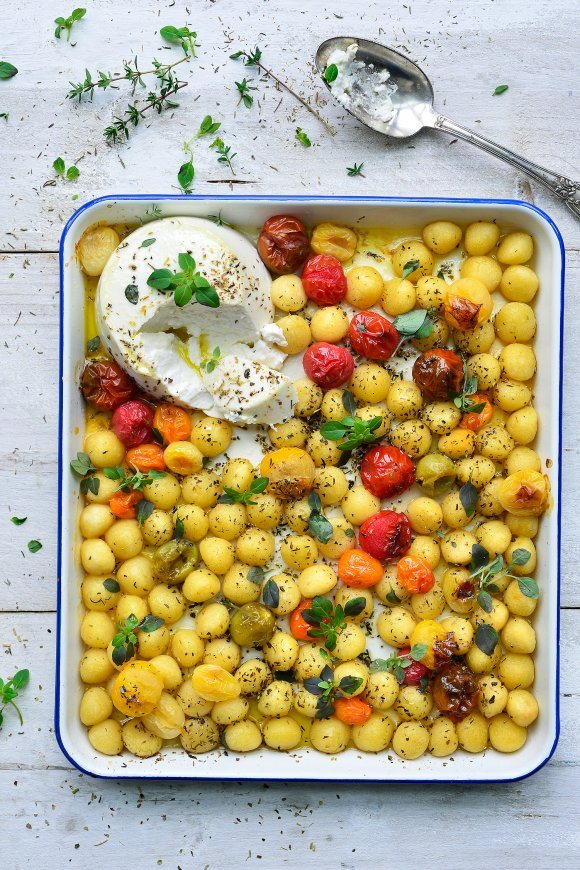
207,296
349,402
479,557
485,600
392,597
256,575
161,279
132,294
72,173
185,176
354,606
143,510
111,585
179,530
418,652
528,587
486,638
468,498
18,521
330,73
82,464
34,546
348,685
182,295
59,166
207,126
302,137
320,528
93,344
409,268
271,593
146,243
414,324
520,556
355,169
7,70
151,623
501,89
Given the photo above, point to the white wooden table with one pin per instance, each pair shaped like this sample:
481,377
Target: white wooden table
50,815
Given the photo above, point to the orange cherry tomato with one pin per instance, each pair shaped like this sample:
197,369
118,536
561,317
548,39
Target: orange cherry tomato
359,570
474,420
146,457
174,423
352,711
123,504
298,625
415,575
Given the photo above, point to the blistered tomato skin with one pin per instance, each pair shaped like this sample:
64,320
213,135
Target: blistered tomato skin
386,471
415,575
416,670
455,691
438,373
146,457
328,365
373,336
386,535
105,385
298,625
132,422
283,244
324,280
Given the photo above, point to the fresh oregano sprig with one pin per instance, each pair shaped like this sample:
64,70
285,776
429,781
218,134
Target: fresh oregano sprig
10,690
68,23
185,285
353,430
414,324
207,127
329,621
329,690
398,663
244,87
463,400
134,481
125,641
232,496
84,468
210,363
484,570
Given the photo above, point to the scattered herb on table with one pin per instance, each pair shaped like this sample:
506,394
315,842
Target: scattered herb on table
185,176
159,100
34,546
302,137
131,74
329,621
125,641
233,496
224,153
207,127
68,23
59,166
182,36
10,690
18,521
4,115
355,169
329,690
501,89
244,88
7,71
185,285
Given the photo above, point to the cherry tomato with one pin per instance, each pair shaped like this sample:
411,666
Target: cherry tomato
440,644
137,689
386,535
324,280
415,575
455,691
146,457
174,423
359,570
352,711
416,670
122,504
283,244
438,373
298,625
475,420
373,336
105,385
132,422
328,365
386,471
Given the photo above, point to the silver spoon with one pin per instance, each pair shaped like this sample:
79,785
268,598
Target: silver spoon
413,103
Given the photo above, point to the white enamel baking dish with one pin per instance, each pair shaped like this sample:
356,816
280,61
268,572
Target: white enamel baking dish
303,763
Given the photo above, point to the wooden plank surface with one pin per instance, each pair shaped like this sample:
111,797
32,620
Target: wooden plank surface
51,815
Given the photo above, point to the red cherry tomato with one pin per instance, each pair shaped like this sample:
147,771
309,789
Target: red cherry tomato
328,365
132,422
105,385
386,471
415,575
386,535
438,373
324,280
298,625
416,670
373,336
283,244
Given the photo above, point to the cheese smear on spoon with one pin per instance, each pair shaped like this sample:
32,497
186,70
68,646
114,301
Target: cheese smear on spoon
166,348
359,85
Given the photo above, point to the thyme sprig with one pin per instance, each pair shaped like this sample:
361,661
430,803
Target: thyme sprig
159,100
132,74
224,151
68,23
133,481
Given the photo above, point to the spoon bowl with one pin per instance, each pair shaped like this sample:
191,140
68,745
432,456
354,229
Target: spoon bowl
413,98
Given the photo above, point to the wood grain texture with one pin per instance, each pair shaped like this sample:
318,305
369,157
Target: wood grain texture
51,815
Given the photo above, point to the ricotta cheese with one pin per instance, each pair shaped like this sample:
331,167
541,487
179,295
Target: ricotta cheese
165,347
362,86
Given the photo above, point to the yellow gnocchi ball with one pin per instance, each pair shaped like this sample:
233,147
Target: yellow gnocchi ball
458,589
359,504
343,539
330,484
217,553
425,515
410,740
364,286
494,535
95,666
98,596
166,602
289,596
202,489
526,527
276,699
97,557
505,735
227,521
95,520
428,605
305,703
477,470
356,669
265,511
158,528
97,629
308,398
443,740
191,702
511,395
521,707
529,566
199,735
493,696
516,671
287,293
375,734
200,585
370,383
131,605
228,712
183,457
441,417
456,547
211,436
477,340
281,651
164,492
515,249
412,436
332,407
485,368
427,548
382,690
523,459
153,643
212,620
222,653
238,585
104,449
237,474
519,284
398,296
472,733
96,706
135,576
329,735
517,602
404,400
488,502
253,675
317,579
334,239
255,547
105,491
309,662
481,237
168,670
522,425
458,444
395,626
297,514
518,361
351,642
430,292
442,236
329,324
299,552
515,321
297,335
139,740
94,248
494,443
106,737
406,255
482,663
518,636
412,703
484,269
292,433
283,734
125,539
322,450
195,521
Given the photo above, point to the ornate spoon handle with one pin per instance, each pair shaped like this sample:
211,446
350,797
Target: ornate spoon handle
563,187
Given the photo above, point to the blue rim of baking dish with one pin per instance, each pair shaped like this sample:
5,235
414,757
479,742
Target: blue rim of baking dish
387,200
